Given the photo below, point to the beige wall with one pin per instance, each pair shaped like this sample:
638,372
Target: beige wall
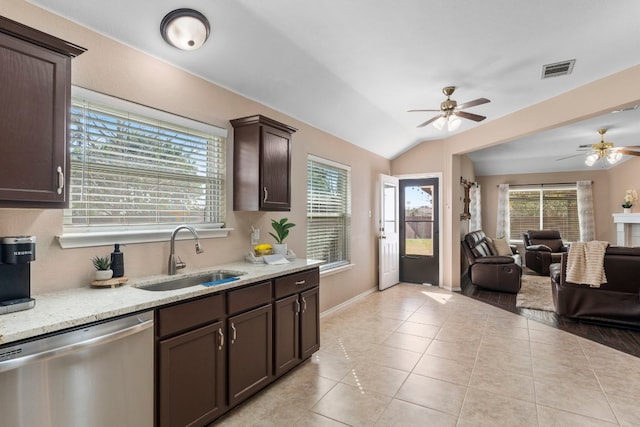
118,70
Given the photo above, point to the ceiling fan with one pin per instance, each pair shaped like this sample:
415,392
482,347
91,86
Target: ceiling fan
605,150
450,112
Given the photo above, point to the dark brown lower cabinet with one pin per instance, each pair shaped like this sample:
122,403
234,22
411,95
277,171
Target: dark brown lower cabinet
297,329
309,322
287,333
192,377
250,352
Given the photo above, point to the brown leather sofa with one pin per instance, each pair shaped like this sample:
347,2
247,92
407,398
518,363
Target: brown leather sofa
616,301
542,248
488,270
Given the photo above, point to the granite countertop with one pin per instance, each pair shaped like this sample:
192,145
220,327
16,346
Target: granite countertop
69,308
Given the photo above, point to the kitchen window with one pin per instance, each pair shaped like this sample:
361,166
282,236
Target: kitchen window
328,212
549,208
136,170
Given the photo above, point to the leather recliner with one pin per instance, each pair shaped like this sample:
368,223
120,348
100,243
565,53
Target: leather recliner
542,248
488,270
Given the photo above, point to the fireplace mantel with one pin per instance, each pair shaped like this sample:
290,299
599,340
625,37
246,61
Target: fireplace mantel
627,228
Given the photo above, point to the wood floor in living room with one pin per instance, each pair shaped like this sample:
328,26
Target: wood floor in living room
623,339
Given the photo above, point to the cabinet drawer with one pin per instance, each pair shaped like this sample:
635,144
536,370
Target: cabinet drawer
297,282
189,315
249,297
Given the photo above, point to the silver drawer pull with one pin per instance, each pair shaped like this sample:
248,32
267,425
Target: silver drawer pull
297,307
304,305
221,338
234,336
266,194
301,282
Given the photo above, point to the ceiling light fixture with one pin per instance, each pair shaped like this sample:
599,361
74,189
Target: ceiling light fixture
603,150
452,121
185,29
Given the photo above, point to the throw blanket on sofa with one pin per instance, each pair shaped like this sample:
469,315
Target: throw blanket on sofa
585,263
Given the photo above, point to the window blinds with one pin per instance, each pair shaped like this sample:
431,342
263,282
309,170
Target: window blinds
553,209
143,167
328,212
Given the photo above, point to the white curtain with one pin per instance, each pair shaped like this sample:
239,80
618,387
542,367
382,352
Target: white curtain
585,211
503,227
475,223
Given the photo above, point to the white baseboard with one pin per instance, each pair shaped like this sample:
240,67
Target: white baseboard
348,302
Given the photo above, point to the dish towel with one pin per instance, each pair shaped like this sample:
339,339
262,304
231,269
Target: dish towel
585,263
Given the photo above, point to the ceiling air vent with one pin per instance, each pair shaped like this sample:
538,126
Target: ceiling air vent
558,69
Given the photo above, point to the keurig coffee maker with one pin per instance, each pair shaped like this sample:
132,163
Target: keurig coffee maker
15,273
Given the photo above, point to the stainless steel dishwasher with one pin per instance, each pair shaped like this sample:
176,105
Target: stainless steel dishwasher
99,375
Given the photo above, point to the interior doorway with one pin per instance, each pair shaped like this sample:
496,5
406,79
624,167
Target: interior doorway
419,231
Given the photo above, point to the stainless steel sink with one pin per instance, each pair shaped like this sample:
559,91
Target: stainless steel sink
208,279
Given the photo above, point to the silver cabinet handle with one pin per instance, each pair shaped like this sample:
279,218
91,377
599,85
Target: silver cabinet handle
60,180
297,307
234,336
304,305
266,194
301,282
220,339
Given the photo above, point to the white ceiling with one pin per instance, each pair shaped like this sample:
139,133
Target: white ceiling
354,67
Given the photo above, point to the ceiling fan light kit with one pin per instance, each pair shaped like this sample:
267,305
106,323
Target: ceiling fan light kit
606,150
450,112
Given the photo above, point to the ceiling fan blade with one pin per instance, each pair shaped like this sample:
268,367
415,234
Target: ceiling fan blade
432,119
421,111
570,157
473,103
470,116
628,152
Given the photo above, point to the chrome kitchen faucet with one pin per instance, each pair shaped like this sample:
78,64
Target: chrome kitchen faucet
175,263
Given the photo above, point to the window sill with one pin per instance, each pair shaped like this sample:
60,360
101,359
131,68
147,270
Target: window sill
336,270
106,238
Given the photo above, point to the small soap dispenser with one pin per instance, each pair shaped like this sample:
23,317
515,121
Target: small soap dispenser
117,261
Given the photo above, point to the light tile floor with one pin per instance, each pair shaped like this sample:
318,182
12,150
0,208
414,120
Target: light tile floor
416,355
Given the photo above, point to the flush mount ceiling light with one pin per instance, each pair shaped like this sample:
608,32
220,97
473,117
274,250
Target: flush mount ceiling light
186,29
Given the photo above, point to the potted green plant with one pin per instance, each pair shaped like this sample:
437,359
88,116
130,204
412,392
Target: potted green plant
102,264
282,231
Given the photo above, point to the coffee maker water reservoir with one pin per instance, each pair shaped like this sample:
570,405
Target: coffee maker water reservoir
16,253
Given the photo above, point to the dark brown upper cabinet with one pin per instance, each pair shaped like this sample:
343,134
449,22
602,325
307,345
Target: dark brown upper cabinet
261,164
35,89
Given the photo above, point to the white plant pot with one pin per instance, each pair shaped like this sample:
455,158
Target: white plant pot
280,248
104,274
626,210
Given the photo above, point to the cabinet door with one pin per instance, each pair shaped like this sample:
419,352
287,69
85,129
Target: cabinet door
287,332
309,322
250,352
35,94
191,377
275,169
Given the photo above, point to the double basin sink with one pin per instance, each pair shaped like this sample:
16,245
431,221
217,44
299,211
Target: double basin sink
211,278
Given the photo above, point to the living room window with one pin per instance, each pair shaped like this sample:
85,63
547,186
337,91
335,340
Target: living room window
134,167
547,207
328,212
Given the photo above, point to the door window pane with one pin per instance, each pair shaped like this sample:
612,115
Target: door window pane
418,220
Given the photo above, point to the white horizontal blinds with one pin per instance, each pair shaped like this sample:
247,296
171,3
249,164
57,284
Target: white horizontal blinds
129,169
328,212
554,208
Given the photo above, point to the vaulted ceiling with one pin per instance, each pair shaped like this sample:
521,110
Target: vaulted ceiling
354,67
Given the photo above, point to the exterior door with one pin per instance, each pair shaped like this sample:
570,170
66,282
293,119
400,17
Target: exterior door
419,251
388,264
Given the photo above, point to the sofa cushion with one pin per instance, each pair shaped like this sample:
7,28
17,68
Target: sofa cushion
502,247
